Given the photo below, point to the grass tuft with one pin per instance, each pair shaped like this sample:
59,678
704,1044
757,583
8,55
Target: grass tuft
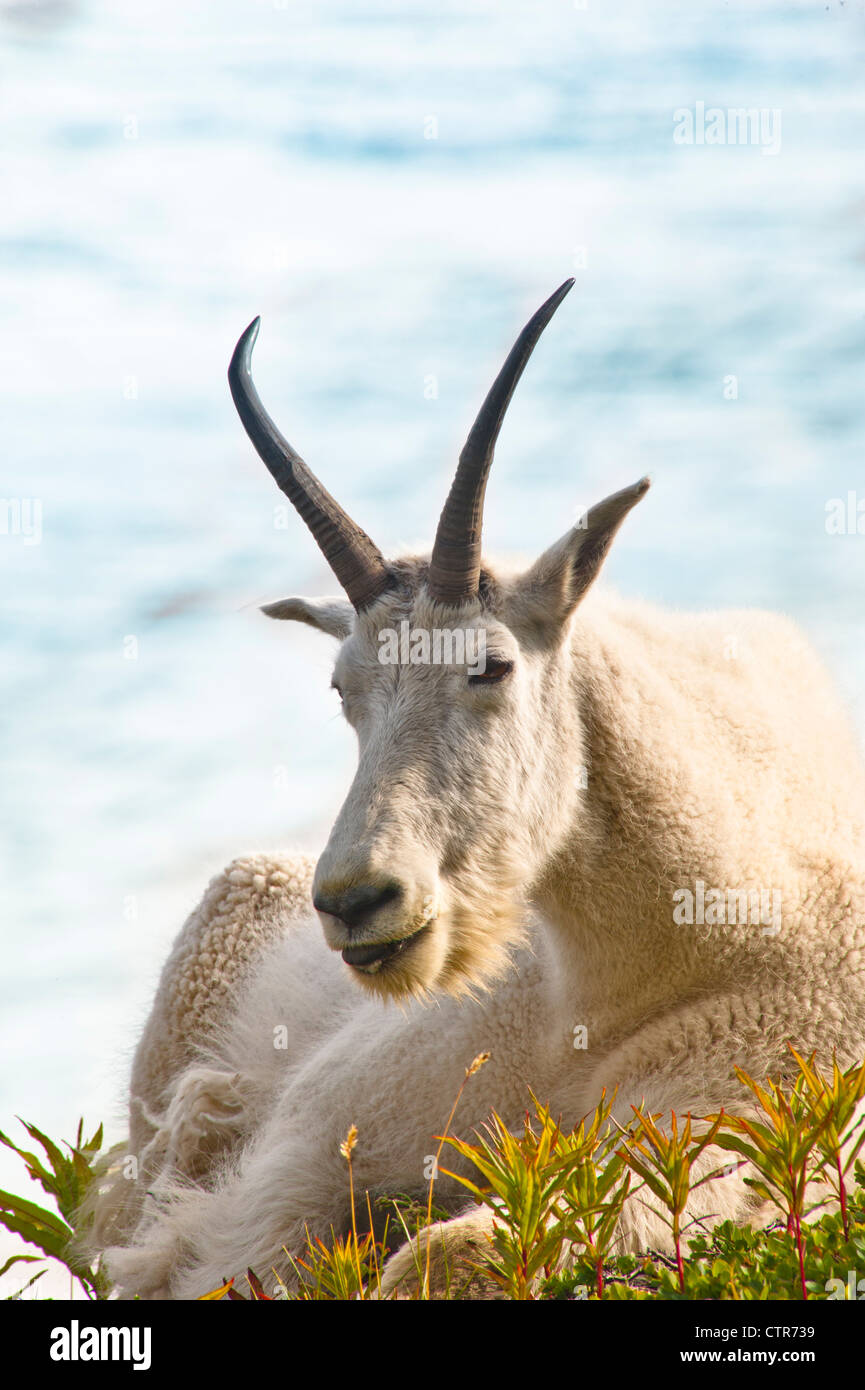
555,1196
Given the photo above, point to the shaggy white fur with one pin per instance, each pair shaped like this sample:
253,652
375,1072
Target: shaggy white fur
714,752
628,853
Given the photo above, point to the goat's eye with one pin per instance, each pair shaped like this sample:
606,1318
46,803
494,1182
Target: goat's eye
495,670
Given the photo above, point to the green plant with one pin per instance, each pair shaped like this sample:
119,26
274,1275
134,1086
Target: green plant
556,1197
834,1105
593,1188
740,1264
664,1163
67,1180
780,1150
521,1181
545,1189
473,1067
350,1266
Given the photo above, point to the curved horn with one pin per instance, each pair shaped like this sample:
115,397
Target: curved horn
456,559
355,559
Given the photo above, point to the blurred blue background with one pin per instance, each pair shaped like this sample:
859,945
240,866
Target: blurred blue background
394,188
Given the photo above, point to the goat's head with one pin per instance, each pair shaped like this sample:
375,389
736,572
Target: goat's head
458,687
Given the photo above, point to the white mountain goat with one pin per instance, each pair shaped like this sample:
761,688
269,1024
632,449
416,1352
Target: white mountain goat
626,850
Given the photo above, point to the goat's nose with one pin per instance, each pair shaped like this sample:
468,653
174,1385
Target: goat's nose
354,905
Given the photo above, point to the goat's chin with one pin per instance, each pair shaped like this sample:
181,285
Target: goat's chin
414,971
460,953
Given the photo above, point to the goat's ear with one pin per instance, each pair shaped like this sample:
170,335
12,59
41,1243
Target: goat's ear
331,615
546,595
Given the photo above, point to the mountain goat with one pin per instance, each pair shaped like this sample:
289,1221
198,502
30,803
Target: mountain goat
614,846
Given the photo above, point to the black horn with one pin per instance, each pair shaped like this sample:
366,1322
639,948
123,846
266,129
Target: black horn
355,560
456,559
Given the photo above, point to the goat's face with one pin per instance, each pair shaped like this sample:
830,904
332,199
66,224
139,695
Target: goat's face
463,783
458,687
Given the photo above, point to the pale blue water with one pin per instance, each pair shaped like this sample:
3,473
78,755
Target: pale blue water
169,171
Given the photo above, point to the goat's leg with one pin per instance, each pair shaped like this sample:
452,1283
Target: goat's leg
187,1104
392,1073
246,908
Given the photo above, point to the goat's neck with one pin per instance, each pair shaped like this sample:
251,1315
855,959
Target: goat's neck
607,890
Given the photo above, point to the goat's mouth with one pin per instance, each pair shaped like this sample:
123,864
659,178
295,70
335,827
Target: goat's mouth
369,959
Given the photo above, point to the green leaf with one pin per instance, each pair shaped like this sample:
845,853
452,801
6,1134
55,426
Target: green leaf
34,1224
56,1157
24,1287
20,1207
20,1259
